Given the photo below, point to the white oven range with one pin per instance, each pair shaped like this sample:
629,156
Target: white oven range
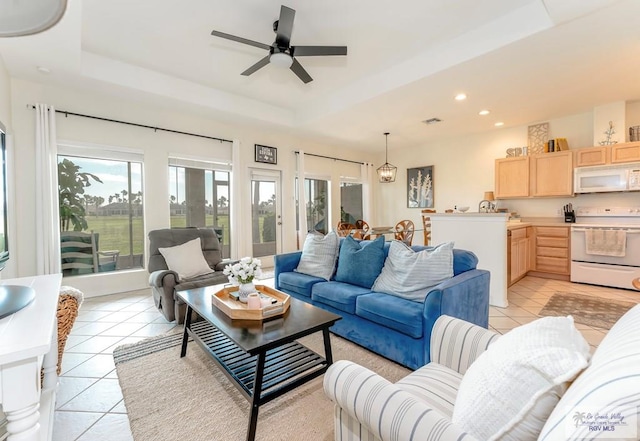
605,247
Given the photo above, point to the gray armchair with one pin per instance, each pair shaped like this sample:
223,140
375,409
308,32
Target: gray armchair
164,283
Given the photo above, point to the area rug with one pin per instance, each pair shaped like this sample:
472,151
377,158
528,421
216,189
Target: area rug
587,310
170,398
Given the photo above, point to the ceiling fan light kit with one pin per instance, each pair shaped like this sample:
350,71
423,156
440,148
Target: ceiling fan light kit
386,172
281,53
281,60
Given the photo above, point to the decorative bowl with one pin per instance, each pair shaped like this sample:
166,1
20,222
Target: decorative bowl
463,209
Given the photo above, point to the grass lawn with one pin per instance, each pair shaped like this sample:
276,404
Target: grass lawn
114,231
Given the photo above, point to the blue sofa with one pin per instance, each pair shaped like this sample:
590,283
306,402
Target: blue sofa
394,327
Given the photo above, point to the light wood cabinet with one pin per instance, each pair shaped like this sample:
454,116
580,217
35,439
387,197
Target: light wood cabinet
592,156
548,174
607,154
512,177
552,174
552,250
518,262
627,152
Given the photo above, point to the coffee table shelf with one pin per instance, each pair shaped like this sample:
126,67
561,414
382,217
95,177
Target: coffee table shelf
285,366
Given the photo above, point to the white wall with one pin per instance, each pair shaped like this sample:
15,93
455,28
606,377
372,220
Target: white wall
464,170
157,146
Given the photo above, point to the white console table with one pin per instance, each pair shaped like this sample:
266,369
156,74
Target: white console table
29,342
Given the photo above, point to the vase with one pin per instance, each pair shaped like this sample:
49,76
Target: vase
244,290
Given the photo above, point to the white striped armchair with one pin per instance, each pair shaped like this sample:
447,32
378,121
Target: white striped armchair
420,406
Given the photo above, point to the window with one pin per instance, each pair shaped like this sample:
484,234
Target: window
350,202
316,193
101,214
199,197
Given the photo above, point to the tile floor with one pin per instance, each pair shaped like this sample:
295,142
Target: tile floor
89,401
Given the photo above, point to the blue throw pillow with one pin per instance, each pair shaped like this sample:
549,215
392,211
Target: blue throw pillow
360,263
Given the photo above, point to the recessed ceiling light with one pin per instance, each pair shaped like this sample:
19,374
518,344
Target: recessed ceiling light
484,112
43,70
499,124
461,97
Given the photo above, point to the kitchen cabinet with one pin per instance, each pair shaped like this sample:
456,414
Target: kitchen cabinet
544,175
518,262
512,177
552,250
627,152
552,174
592,156
608,154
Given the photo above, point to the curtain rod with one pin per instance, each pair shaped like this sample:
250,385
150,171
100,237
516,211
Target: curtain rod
330,157
67,113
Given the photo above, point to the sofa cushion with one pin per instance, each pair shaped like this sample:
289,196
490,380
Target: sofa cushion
435,384
298,283
610,385
510,390
393,312
319,255
463,261
410,274
340,295
186,259
360,263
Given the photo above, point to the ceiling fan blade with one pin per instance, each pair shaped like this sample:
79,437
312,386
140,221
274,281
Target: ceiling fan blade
309,51
240,40
259,65
285,26
300,72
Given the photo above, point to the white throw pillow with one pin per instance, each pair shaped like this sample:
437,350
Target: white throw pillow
410,274
319,255
187,259
510,390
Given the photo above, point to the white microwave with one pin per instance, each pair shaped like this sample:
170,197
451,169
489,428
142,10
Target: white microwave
599,179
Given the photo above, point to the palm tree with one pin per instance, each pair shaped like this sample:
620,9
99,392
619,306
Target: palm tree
71,185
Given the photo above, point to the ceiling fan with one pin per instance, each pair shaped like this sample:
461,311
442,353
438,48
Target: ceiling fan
281,52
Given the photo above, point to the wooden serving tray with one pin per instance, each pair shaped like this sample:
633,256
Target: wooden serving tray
237,310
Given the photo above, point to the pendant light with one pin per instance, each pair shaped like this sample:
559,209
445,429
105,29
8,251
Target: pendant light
386,172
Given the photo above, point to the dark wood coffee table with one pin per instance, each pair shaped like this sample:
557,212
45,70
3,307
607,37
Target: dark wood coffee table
261,358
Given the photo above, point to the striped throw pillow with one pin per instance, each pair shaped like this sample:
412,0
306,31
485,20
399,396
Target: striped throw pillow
410,274
319,255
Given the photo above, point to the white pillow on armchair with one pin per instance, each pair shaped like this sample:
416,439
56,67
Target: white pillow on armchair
511,389
186,259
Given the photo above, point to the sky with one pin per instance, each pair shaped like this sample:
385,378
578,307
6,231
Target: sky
113,175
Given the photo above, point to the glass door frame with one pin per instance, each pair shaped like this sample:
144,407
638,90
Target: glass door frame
267,175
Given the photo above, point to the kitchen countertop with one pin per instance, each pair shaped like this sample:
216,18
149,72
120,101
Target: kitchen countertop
538,222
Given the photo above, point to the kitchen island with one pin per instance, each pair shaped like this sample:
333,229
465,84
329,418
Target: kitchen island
485,234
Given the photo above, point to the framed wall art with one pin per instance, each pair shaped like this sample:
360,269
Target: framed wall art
265,154
420,187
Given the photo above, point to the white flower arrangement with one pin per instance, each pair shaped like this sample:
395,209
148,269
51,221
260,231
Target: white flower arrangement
244,271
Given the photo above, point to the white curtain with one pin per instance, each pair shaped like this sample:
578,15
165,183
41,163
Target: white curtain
302,202
47,216
368,202
236,206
